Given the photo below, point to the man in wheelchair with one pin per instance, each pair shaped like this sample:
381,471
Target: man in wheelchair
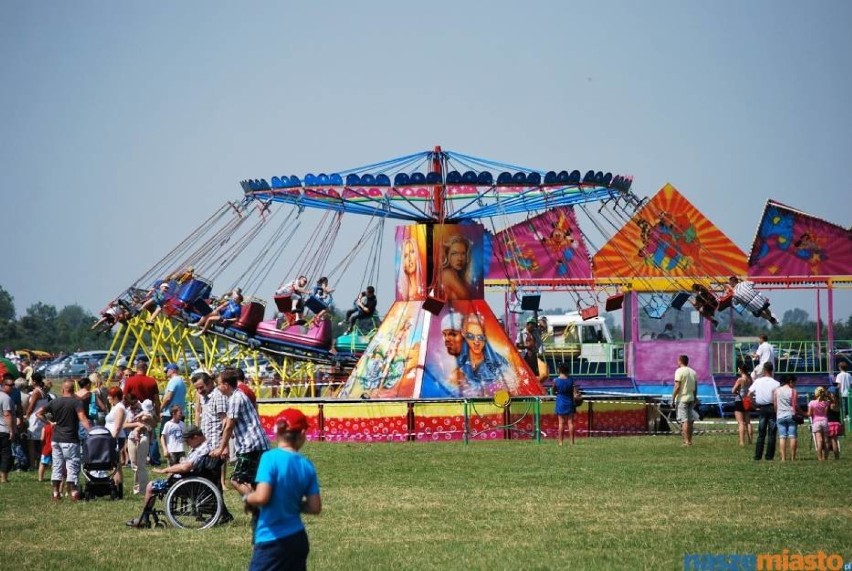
208,507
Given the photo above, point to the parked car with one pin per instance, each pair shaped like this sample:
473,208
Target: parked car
77,364
44,365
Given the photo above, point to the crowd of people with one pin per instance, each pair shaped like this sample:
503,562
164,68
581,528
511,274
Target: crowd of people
776,404
276,485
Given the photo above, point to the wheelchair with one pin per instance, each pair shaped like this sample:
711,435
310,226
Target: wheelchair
191,502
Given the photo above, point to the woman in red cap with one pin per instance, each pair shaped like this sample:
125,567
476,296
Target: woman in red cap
287,487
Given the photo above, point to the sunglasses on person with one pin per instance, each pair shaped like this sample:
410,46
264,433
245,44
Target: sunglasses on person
472,337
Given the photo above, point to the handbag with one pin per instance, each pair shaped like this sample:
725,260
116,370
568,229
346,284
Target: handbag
798,418
748,404
578,397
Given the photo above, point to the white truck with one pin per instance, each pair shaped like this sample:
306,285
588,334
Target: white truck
585,344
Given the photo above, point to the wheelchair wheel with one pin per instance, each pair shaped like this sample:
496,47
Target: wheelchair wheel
193,503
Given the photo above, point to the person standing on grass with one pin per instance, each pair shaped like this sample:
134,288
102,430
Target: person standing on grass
785,407
210,412
68,415
243,424
114,422
835,424
145,388
140,425
7,427
564,389
684,395
763,395
843,380
287,486
818,411
175,394
38,400
743,416
171,438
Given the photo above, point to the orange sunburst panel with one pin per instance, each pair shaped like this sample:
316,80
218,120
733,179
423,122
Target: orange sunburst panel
669,238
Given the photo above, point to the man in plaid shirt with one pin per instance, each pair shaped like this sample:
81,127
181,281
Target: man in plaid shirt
243,424
213,405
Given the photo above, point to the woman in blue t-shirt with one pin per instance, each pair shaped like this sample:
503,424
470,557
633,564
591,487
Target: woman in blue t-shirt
287,487
564,389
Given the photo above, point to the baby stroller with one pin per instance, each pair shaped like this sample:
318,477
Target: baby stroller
100,462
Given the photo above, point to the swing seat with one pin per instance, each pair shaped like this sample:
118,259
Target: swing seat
315,304
679,300
614,302
433,305
589,312
284,303
250,316
318,335
726,301
172,307
201,307
192,291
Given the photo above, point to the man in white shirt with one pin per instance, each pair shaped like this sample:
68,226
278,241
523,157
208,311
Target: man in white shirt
762,392
843,380
765,354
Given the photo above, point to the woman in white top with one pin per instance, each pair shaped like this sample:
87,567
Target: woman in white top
39,397
114,422
785,407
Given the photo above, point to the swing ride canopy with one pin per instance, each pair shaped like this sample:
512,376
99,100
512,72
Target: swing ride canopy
439,186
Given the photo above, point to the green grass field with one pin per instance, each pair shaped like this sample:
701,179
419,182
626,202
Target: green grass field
616,503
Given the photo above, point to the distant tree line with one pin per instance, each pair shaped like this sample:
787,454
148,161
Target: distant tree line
796,325
44,328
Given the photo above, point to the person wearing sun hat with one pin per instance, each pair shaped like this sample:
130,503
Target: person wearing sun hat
287,487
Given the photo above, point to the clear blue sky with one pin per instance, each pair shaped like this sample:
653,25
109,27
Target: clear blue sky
127,124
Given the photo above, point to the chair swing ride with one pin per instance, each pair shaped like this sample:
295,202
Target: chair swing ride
439,338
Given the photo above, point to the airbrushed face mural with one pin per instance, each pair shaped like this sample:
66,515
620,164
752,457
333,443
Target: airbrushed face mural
458,254
410,262
391,364
461,352
471,356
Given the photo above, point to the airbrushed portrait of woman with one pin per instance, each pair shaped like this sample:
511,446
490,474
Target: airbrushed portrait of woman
409,283
456,274
387,360
482,371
